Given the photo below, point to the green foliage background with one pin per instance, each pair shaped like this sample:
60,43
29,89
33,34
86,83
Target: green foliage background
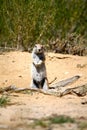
26,22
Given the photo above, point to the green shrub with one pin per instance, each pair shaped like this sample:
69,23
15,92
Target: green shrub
25,22
4,100
61,119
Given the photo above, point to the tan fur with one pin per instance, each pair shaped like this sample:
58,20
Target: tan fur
39,76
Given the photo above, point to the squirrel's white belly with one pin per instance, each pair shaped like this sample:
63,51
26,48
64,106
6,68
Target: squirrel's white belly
38,73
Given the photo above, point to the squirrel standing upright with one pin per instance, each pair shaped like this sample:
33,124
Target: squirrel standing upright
38,70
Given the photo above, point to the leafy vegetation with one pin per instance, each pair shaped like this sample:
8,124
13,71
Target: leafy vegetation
53,120
4,100
41,123
50,122
26,22
61,119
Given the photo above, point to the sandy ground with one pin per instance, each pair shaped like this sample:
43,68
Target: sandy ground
15,70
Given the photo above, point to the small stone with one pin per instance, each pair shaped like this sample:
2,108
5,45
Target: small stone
20,76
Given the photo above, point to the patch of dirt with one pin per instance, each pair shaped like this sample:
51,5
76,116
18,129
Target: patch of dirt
15,69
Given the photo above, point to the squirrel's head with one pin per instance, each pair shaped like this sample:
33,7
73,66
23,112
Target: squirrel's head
38,48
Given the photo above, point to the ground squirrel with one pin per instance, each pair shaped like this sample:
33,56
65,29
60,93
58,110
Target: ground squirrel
39,76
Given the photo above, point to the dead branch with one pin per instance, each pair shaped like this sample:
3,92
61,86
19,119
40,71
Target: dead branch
53,80
65,82
57,90
18,90
6,89
79,91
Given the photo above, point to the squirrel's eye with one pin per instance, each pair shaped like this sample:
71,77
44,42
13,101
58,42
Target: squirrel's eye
42,47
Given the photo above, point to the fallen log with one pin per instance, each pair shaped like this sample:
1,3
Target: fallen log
56,89
18,90
65,82
79,91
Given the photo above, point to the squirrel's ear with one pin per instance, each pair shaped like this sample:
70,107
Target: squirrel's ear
43,46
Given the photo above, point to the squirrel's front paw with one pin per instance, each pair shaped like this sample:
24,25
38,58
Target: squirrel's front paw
37,64
40,62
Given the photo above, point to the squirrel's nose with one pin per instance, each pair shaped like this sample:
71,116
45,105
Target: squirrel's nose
39,50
